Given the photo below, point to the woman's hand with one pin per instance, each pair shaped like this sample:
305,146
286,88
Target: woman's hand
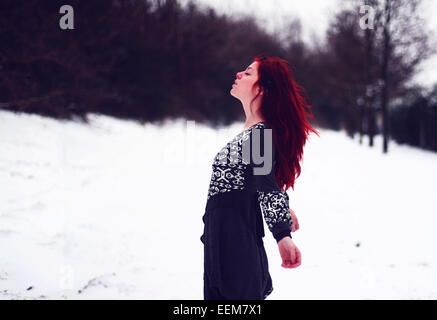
295,225
290,254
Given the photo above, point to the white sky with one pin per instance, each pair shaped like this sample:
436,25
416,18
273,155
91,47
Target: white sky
314,15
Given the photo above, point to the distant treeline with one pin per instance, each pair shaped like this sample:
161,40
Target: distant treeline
152,60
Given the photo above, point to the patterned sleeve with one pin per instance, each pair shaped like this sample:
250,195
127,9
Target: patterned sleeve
274,202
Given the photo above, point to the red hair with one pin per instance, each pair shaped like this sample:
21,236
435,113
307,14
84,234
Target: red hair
285,111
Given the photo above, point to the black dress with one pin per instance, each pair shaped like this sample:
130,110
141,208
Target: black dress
235,261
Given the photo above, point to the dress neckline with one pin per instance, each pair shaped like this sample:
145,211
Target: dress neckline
245,132
254,125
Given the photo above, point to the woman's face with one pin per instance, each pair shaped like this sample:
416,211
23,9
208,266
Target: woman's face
243,86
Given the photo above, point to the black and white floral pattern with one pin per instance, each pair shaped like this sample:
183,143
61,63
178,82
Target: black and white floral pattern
228,167
228,174
275,207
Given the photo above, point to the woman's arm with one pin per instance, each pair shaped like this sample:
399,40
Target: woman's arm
274,202
276,210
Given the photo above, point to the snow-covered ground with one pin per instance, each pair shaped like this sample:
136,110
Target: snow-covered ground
113,210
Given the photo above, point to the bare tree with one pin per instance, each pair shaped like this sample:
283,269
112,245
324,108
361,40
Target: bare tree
404,44
370,71
45,68
394,43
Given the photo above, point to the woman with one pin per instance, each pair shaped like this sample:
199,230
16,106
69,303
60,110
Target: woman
239,196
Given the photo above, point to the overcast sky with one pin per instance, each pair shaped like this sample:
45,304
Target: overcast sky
314,15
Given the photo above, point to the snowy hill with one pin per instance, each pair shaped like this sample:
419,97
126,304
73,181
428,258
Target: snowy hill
113,210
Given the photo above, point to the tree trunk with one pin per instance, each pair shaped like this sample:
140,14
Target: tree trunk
384,76
360,122
371,123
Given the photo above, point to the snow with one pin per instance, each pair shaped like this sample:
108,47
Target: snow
113,210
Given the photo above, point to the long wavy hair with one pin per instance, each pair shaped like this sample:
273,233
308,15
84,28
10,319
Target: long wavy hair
285,110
